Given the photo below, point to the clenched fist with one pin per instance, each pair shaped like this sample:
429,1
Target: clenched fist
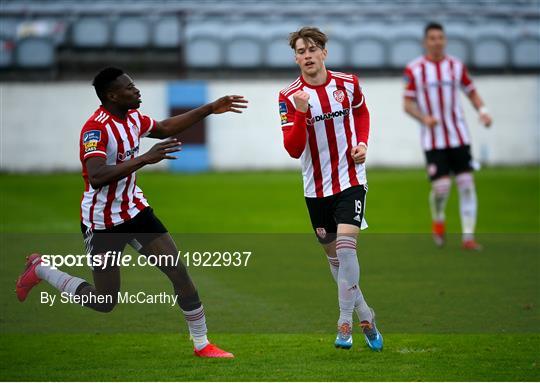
301,101
485,119
358,154
430,121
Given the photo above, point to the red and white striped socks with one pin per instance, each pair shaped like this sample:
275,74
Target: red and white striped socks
347,277
360,305
468,204
196,322
59,279
440,190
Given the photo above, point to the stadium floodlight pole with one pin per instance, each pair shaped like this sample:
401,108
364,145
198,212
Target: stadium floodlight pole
114,210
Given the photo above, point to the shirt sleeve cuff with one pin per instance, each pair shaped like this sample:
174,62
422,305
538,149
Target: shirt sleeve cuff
287,125
95,153
410,93
152,124
359,104
469,88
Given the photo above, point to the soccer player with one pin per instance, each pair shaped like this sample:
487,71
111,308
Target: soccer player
325,123
431,97
114,211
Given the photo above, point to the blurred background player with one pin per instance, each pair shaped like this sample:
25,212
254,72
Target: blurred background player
114,211
325,123
431,97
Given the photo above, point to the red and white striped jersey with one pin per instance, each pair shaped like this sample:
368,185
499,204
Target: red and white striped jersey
327,165
434,86
116,140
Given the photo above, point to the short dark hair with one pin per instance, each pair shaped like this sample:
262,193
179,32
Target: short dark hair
432,25
308,34
104,79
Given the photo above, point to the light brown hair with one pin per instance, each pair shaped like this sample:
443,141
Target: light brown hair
308,34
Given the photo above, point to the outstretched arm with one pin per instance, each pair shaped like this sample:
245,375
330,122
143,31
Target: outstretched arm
100,174
177,124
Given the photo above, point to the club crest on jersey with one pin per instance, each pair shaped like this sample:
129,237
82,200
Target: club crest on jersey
321,232
90,140
339,95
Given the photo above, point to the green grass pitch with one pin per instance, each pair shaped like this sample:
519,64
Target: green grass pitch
445,314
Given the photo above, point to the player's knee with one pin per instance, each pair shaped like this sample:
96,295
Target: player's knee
104,303
178,272
106,307
441,186
465,181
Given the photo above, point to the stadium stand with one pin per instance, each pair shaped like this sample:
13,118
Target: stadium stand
6,53
166,32
8,27
405,43
243,45
204,44
131,32
458,43
188,35
35,52
526,46
490,45
369,47
90,32
278,54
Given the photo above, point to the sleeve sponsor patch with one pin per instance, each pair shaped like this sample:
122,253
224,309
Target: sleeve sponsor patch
407,80
90,140
283,112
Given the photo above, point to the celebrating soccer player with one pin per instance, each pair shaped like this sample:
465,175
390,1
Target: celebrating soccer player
325,123
431,97
114,211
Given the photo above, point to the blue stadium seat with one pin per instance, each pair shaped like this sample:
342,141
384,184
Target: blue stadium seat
405,43
526,52
90,32
490,46
6,53
338,46
204,44
8,27
403,50
35,53
526,45
243,46
278,53
368,46
458,42
131,32
167,32
338,53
